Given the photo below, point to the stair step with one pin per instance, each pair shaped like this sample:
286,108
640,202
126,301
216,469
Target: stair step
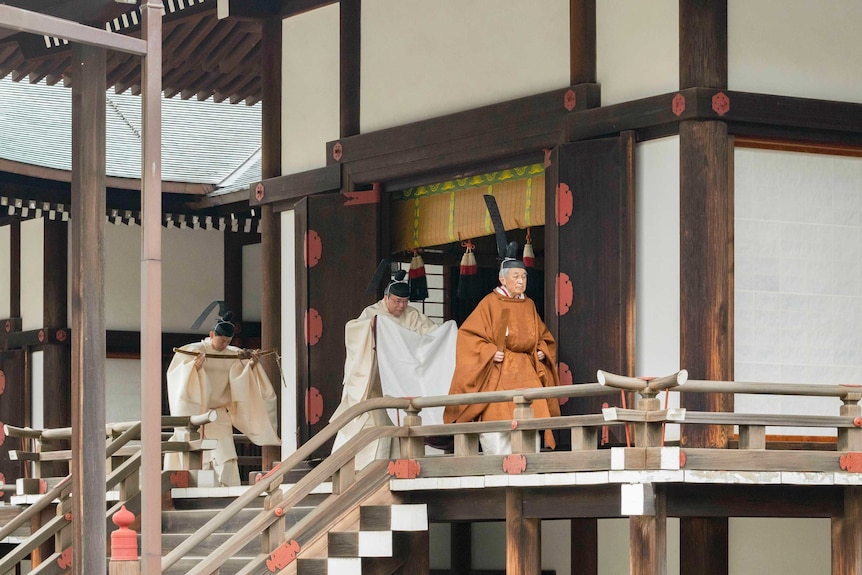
332,565
208,545
409,517
230,567
360,544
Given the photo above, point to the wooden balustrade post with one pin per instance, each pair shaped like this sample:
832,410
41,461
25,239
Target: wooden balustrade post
412,447
648,433
124,545
850,438
273,536
344,477
524,440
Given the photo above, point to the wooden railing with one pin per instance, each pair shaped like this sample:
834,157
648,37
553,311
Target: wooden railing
646,419
123,478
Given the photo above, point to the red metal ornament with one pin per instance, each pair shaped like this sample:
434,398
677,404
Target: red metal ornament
313,405
565,379
259,192
721,104
313,248
61,335
404,469
851,462
180,479
337,151
547,161
41,336
64,561
682,459
43,487
283,556
677,106
514,464
570,100
565,294
313,326
2,381
8,326
2,434
565,203
606,436
362,197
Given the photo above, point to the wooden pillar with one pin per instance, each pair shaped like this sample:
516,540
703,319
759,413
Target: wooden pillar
648,540
582,41
270,221
418,555
15,269
350,60
706,260
88,310
847,535
585,546
523,537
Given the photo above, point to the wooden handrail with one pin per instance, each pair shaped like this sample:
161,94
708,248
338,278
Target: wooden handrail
25,516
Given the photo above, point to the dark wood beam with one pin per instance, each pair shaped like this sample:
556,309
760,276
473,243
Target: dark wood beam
56,358
523,537
15,269
847,535
350,65
703,44
248,9
582,41
291,187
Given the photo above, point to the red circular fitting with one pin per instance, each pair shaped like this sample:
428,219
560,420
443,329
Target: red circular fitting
514,424
68,516
857,421
279,511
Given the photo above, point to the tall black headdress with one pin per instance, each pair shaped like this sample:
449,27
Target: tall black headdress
507,252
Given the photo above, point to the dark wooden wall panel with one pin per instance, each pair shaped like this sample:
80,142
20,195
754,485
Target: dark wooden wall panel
590,210
341,257
14,410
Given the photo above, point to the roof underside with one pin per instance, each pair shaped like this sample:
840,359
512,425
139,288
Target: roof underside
203,56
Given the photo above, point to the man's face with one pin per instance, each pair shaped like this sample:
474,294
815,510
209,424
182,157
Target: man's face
219,342
396,305
514,280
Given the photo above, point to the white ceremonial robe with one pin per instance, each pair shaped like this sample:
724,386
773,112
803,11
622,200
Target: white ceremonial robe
362,378
241,395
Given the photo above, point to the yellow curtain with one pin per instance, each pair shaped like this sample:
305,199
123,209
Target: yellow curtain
454,211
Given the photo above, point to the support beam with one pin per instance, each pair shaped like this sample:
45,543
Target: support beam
151,288
88,310
523,537
702,44
648,539
847,535
269,219
585,546
582,41
351,65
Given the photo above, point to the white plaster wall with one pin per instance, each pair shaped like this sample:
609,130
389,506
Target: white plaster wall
122,390
798,276
310,88
759,546
657,322
289,416
5,261
32,273
425,59
122,277
796,48
252,279
637,48
37,383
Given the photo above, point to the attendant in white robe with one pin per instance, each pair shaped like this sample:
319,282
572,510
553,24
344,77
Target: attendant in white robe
361,375
221,377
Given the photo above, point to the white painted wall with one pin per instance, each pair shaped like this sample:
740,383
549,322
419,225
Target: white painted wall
32,274
798,274
252,281
425,59
637,48
123,390
5,260
37,378
289,417
310,88
759,546
796,48
657,321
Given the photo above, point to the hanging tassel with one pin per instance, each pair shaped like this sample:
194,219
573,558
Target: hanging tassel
535,280
416,278
468,280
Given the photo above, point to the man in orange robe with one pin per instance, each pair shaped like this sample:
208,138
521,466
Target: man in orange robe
504,345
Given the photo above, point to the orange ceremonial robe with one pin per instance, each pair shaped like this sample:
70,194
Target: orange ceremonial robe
475,370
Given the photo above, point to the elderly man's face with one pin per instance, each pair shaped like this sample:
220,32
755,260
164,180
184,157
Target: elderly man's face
396,305
514,280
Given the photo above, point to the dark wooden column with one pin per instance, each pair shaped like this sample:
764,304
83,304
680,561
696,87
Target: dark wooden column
461,548
270,222
706,260
585,546
15,269
56,357
88,310
847,535
233,243
523,537
582,41
350,65
648,540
